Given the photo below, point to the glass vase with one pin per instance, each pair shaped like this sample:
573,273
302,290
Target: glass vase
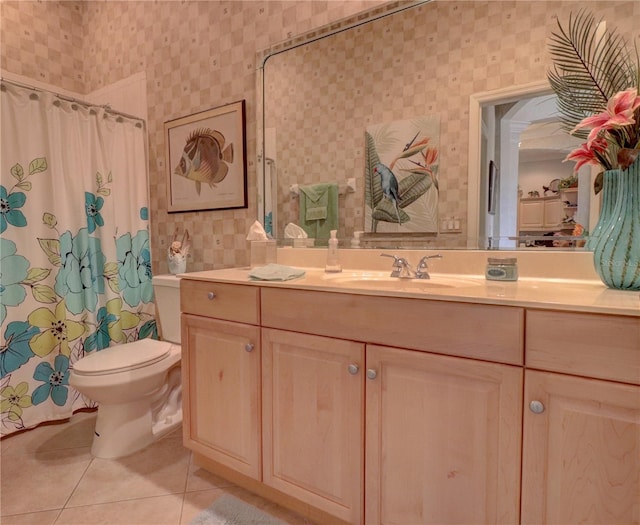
609,196
617,252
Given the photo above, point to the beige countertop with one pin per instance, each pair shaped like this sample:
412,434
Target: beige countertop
557,294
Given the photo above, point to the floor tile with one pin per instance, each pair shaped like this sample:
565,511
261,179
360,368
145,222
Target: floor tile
269,507
70,433
201,479
161,510
47,517
158,470
42,480
195,502
50,478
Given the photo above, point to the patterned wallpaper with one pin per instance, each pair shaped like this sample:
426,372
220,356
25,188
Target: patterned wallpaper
202,54
196,55
423,61
44,41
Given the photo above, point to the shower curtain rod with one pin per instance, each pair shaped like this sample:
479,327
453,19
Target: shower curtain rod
73,100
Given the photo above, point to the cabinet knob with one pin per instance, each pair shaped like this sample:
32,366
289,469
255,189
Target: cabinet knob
211,295
371,373
536,407
353,369
249,347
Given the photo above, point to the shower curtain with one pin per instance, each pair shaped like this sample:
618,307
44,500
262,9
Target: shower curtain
75,268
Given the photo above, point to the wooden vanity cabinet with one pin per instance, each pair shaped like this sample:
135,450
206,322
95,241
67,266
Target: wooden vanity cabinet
581,455
477,331
442,439
369,409
221,374
442,433
313,422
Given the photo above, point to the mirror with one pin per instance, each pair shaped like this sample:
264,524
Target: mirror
517,130
468,62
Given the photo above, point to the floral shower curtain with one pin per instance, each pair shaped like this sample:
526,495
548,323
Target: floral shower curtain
75,269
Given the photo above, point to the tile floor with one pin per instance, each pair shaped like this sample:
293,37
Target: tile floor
48,477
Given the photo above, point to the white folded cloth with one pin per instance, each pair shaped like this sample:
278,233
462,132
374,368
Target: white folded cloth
275,272
293,231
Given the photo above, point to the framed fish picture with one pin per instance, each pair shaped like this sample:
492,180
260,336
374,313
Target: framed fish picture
206,160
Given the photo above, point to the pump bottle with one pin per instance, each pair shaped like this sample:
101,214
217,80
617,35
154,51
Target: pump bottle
333,259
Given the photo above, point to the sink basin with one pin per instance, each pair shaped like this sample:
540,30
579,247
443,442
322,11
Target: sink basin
384,282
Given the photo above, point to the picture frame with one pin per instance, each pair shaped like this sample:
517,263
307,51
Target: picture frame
206,163
401,176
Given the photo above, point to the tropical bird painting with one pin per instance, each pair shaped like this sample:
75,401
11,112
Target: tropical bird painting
410,174
389,185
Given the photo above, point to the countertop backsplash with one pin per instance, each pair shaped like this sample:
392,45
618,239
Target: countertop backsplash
531,264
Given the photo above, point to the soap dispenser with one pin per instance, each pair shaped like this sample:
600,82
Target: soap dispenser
355,242
333,260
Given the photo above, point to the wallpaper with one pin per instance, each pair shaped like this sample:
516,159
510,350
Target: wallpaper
424,61
197,55
202,54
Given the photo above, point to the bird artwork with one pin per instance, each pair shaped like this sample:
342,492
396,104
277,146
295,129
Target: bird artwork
390,188
389,185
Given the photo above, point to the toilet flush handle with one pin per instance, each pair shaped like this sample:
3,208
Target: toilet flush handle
211,295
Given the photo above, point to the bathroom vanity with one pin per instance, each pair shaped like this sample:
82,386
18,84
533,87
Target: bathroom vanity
356,398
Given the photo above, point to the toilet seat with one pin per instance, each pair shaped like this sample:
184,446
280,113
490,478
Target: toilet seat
116,359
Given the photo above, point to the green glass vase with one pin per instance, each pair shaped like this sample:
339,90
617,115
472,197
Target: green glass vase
609,196
616,255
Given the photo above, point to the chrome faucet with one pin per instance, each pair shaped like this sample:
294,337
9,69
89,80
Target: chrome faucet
422,269
401,267
403,270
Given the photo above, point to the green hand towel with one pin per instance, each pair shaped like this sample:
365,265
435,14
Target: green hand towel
316,199
318,213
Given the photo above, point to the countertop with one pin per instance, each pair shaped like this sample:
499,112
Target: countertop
556,294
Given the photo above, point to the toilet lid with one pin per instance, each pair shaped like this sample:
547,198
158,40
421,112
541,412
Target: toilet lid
143,352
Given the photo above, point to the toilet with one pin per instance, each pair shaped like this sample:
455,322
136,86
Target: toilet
137,385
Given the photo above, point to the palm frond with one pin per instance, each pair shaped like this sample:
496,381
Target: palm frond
588,69
372,184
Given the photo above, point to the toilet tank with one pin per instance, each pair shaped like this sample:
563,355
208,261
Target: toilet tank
166,289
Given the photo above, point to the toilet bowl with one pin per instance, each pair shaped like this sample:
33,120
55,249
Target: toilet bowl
137,385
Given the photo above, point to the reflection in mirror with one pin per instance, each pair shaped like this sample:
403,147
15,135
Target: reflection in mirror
539,200
447,59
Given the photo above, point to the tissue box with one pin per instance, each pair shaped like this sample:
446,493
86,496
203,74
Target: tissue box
263,252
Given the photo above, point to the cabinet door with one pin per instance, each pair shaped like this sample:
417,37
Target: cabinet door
443,438
553,213
221,403
531,214
581,456
312,416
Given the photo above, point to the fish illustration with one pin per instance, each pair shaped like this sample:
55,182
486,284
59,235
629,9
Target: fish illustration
205,158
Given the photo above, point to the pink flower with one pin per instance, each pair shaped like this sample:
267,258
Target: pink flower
586,154
620,109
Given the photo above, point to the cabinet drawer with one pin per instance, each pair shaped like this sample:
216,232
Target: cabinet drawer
487,332
591,345
232,302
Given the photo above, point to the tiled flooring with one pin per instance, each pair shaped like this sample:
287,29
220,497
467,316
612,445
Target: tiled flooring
48,477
